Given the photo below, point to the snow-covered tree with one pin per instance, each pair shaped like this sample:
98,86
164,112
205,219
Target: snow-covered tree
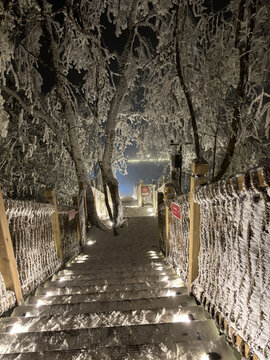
210,78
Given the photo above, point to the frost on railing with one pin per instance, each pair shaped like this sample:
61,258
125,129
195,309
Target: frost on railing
33,243
69,235
81,210
162,226
7,297
100,203
234,271
179,237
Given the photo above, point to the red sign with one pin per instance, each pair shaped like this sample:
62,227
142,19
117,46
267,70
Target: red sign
145,191
71,214
176,210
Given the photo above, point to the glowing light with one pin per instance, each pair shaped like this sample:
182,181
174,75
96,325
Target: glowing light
182,318
111,223
18,328
150,210
39,303
171,293
165,278
91,242
80,261
154,256
205,357
61,279
159,268
48,294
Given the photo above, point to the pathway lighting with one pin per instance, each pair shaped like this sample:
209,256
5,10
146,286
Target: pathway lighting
39,303
18,328
183,318
91,242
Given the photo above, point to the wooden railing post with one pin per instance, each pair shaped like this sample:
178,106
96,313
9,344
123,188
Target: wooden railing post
140,197
79,230
8,266
82,187
199,168
160,200
154,196
51,198
168,194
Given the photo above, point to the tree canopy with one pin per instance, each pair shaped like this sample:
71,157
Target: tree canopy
82,80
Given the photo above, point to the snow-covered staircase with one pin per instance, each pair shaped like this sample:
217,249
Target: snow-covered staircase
118,300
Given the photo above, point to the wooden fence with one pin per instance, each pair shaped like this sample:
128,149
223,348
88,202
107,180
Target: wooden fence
36,239
221,249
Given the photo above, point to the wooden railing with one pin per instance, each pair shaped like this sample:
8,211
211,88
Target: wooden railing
221,250
38,238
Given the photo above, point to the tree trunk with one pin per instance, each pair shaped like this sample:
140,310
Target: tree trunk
244,51
185,87
111,123
69,116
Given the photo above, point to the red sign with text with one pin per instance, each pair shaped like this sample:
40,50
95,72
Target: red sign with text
71,215
176,210
145,191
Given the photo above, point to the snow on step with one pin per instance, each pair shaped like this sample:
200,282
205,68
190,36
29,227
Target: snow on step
111,274
63,282
164,351
122,335
157,267
117,277
49,298
107,287
105,306
109,319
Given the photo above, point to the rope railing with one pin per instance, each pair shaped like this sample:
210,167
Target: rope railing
230,221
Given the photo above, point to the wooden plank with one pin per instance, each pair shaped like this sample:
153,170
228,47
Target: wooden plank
79,230
241,182
8,266
239,342
261,178
198,169
247,351
51,198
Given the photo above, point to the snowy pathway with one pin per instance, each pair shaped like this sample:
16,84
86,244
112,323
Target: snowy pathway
118,300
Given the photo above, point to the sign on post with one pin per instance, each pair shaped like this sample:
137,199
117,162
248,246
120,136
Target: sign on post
176,210
71,214
145,191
